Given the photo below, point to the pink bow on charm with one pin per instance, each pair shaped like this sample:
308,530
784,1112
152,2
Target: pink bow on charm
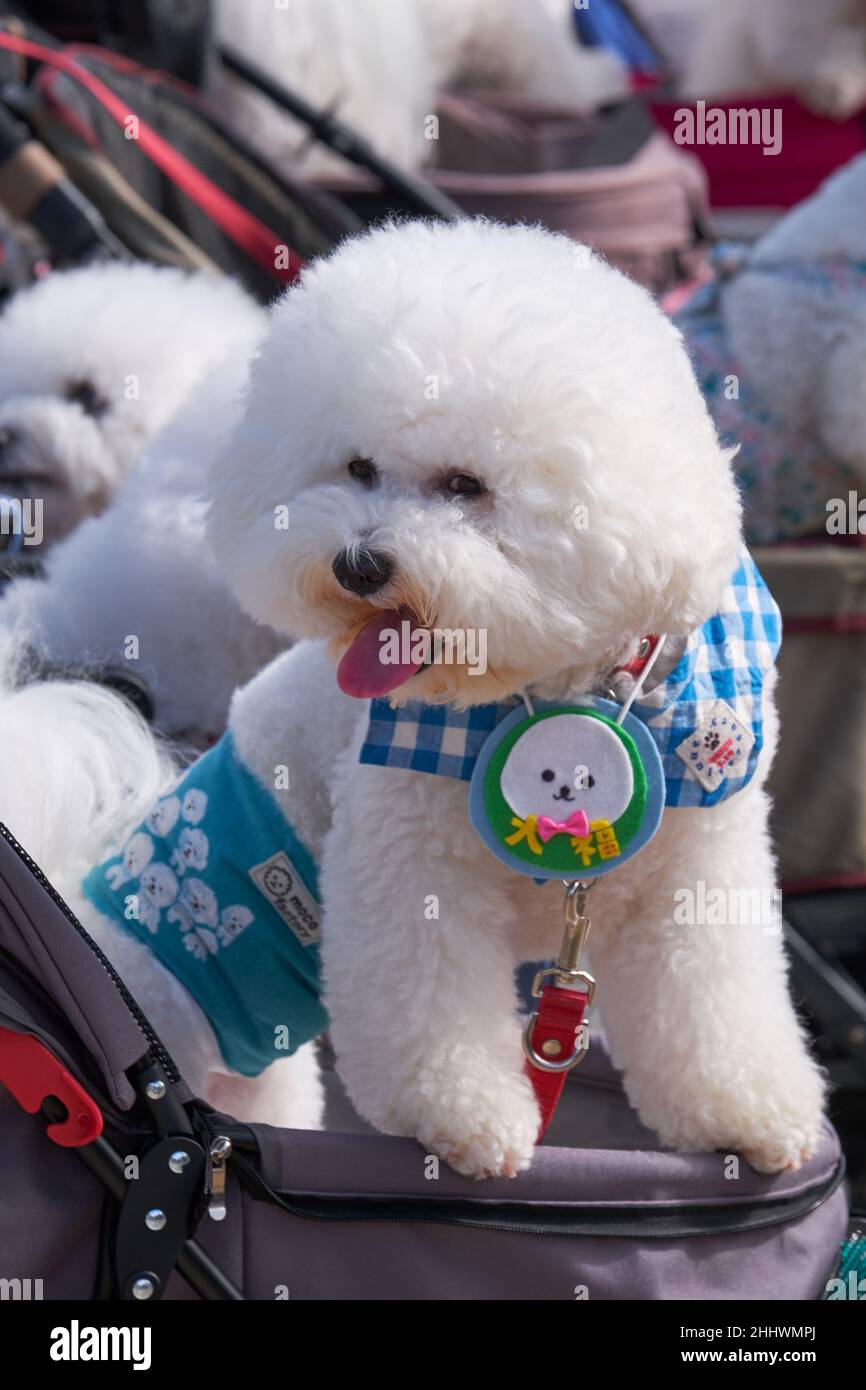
577,824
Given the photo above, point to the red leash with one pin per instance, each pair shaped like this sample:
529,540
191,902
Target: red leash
556,1036
239,225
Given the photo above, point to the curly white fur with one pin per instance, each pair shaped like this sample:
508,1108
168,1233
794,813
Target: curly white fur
93,364
138,588
560,384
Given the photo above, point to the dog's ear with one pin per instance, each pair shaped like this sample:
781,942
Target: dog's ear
690,546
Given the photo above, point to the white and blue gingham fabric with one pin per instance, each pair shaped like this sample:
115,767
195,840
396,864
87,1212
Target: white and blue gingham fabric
726,659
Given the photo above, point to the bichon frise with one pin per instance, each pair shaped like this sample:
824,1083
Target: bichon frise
136,593
779,347
485,430
93,364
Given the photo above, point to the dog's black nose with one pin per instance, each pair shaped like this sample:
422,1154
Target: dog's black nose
362,571
565,791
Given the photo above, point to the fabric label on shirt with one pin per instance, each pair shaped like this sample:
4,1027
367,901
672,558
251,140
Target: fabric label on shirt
718,748
278,880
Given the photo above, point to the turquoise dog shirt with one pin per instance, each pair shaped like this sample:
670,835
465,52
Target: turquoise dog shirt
217,883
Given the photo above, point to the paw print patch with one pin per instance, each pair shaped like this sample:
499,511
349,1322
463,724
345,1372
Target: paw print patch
718,748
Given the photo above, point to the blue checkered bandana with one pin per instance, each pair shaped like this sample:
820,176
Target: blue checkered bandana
705,716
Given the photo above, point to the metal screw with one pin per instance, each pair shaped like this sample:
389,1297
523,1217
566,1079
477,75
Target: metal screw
551,1048
143,1287
155,1219
179,1160
155,1090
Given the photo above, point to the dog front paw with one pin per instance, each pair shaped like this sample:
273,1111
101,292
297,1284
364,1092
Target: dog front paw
774,1128
481,1135
766,1107
783,1154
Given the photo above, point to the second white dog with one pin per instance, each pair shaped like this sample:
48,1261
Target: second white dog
94,362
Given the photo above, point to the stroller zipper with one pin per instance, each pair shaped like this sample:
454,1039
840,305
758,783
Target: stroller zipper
218,1156
155,1045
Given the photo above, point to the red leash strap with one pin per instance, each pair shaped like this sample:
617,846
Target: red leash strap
556,1036
557,1033
240,226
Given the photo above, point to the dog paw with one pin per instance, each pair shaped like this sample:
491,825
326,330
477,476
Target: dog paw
768,1146
479,1139
771,1118
780,1127
784,1154
785,1128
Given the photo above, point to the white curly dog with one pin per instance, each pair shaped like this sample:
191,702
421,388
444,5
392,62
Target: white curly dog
136,589
94,362
431,409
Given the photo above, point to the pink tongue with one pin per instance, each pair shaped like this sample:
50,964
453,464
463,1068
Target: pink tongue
361,671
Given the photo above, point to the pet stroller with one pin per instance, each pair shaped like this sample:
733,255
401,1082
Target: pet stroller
89,1098
185,191
606,177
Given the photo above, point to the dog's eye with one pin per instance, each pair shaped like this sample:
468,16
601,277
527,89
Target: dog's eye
465,485
548,774
364,471
85,394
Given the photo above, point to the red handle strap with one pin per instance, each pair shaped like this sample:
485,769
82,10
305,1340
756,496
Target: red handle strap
240,226
31,1074
555,1037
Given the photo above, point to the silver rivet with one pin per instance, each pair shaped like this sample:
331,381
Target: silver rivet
179,1160
551,1048
155,1090
155,1219
143,1287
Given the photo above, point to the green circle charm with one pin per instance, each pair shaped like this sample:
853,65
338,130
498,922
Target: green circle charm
567,792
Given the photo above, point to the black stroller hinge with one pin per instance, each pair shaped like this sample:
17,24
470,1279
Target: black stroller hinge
162,1193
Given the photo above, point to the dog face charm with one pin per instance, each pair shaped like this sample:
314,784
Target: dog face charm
567,792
